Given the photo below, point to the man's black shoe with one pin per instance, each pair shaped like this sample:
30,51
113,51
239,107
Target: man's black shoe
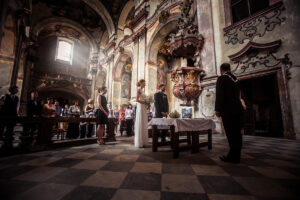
226,159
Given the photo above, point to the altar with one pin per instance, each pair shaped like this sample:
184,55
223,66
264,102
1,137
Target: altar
191,128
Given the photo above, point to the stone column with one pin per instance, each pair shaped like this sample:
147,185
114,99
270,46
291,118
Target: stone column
26,86
205,27
135,69
142,54
110,80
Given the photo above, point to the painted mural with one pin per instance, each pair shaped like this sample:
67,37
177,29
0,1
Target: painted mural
126,80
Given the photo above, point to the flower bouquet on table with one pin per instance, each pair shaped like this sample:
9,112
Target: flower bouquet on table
149,99
174,114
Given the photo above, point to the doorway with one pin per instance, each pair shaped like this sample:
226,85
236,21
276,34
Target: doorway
263,114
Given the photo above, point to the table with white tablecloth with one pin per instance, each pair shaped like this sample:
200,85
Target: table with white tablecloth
192,128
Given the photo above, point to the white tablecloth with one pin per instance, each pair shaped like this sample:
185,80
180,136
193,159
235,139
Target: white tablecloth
183,124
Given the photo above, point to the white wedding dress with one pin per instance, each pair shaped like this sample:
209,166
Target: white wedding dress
141,120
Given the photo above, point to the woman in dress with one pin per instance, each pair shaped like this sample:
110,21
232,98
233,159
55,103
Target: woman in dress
140,128
116,111
101,114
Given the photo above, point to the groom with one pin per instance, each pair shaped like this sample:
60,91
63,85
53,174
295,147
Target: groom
161,107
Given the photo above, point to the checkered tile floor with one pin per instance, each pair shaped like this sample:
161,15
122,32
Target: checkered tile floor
270,169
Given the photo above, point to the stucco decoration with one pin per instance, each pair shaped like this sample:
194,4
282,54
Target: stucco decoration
265,21
207,103
256,57
117,91
152,74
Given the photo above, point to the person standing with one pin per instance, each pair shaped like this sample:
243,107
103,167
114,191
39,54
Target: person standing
116,111
73,128
129,120
49,109
89,111
33,109
102,114
57,108
140,128
228,106
161,107
9,110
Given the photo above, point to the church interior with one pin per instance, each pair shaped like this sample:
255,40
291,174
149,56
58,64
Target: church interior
65,52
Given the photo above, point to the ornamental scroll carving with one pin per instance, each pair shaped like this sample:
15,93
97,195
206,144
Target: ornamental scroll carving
256,57
256,26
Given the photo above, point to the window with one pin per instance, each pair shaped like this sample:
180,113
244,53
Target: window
64,50
242,9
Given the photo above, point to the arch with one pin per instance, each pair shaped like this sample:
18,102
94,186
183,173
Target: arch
102,11
67,22
158,37
66,90
115,70
122,19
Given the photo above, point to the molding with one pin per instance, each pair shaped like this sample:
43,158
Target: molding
272,46
256,57
256,25
140,16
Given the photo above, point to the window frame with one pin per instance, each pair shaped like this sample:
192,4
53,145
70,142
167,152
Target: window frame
229,15
71,42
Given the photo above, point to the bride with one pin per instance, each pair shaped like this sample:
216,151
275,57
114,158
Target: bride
140,128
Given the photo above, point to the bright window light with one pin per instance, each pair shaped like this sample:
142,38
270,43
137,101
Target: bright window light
64,51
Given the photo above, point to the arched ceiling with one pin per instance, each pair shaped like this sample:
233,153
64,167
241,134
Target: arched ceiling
96,16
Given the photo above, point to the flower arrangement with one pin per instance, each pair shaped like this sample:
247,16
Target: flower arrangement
149,99
174,114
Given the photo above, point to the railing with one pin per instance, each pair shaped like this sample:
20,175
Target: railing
41,133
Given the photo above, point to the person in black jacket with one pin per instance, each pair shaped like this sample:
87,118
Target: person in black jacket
33,109
9,110
228,106
161,106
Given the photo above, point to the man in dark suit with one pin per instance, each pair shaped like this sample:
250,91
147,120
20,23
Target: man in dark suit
9,110
228,106
34,109
161,107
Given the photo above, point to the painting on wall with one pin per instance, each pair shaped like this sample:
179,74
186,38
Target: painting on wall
162,70
126,80
116,96
126,85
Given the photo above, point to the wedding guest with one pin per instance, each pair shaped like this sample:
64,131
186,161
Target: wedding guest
33,106
116,112
149,113
102,114
122,119
129,120
33,109
58,108
65,111
73,128
122,123
110,111
89,112
9,110
49,109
